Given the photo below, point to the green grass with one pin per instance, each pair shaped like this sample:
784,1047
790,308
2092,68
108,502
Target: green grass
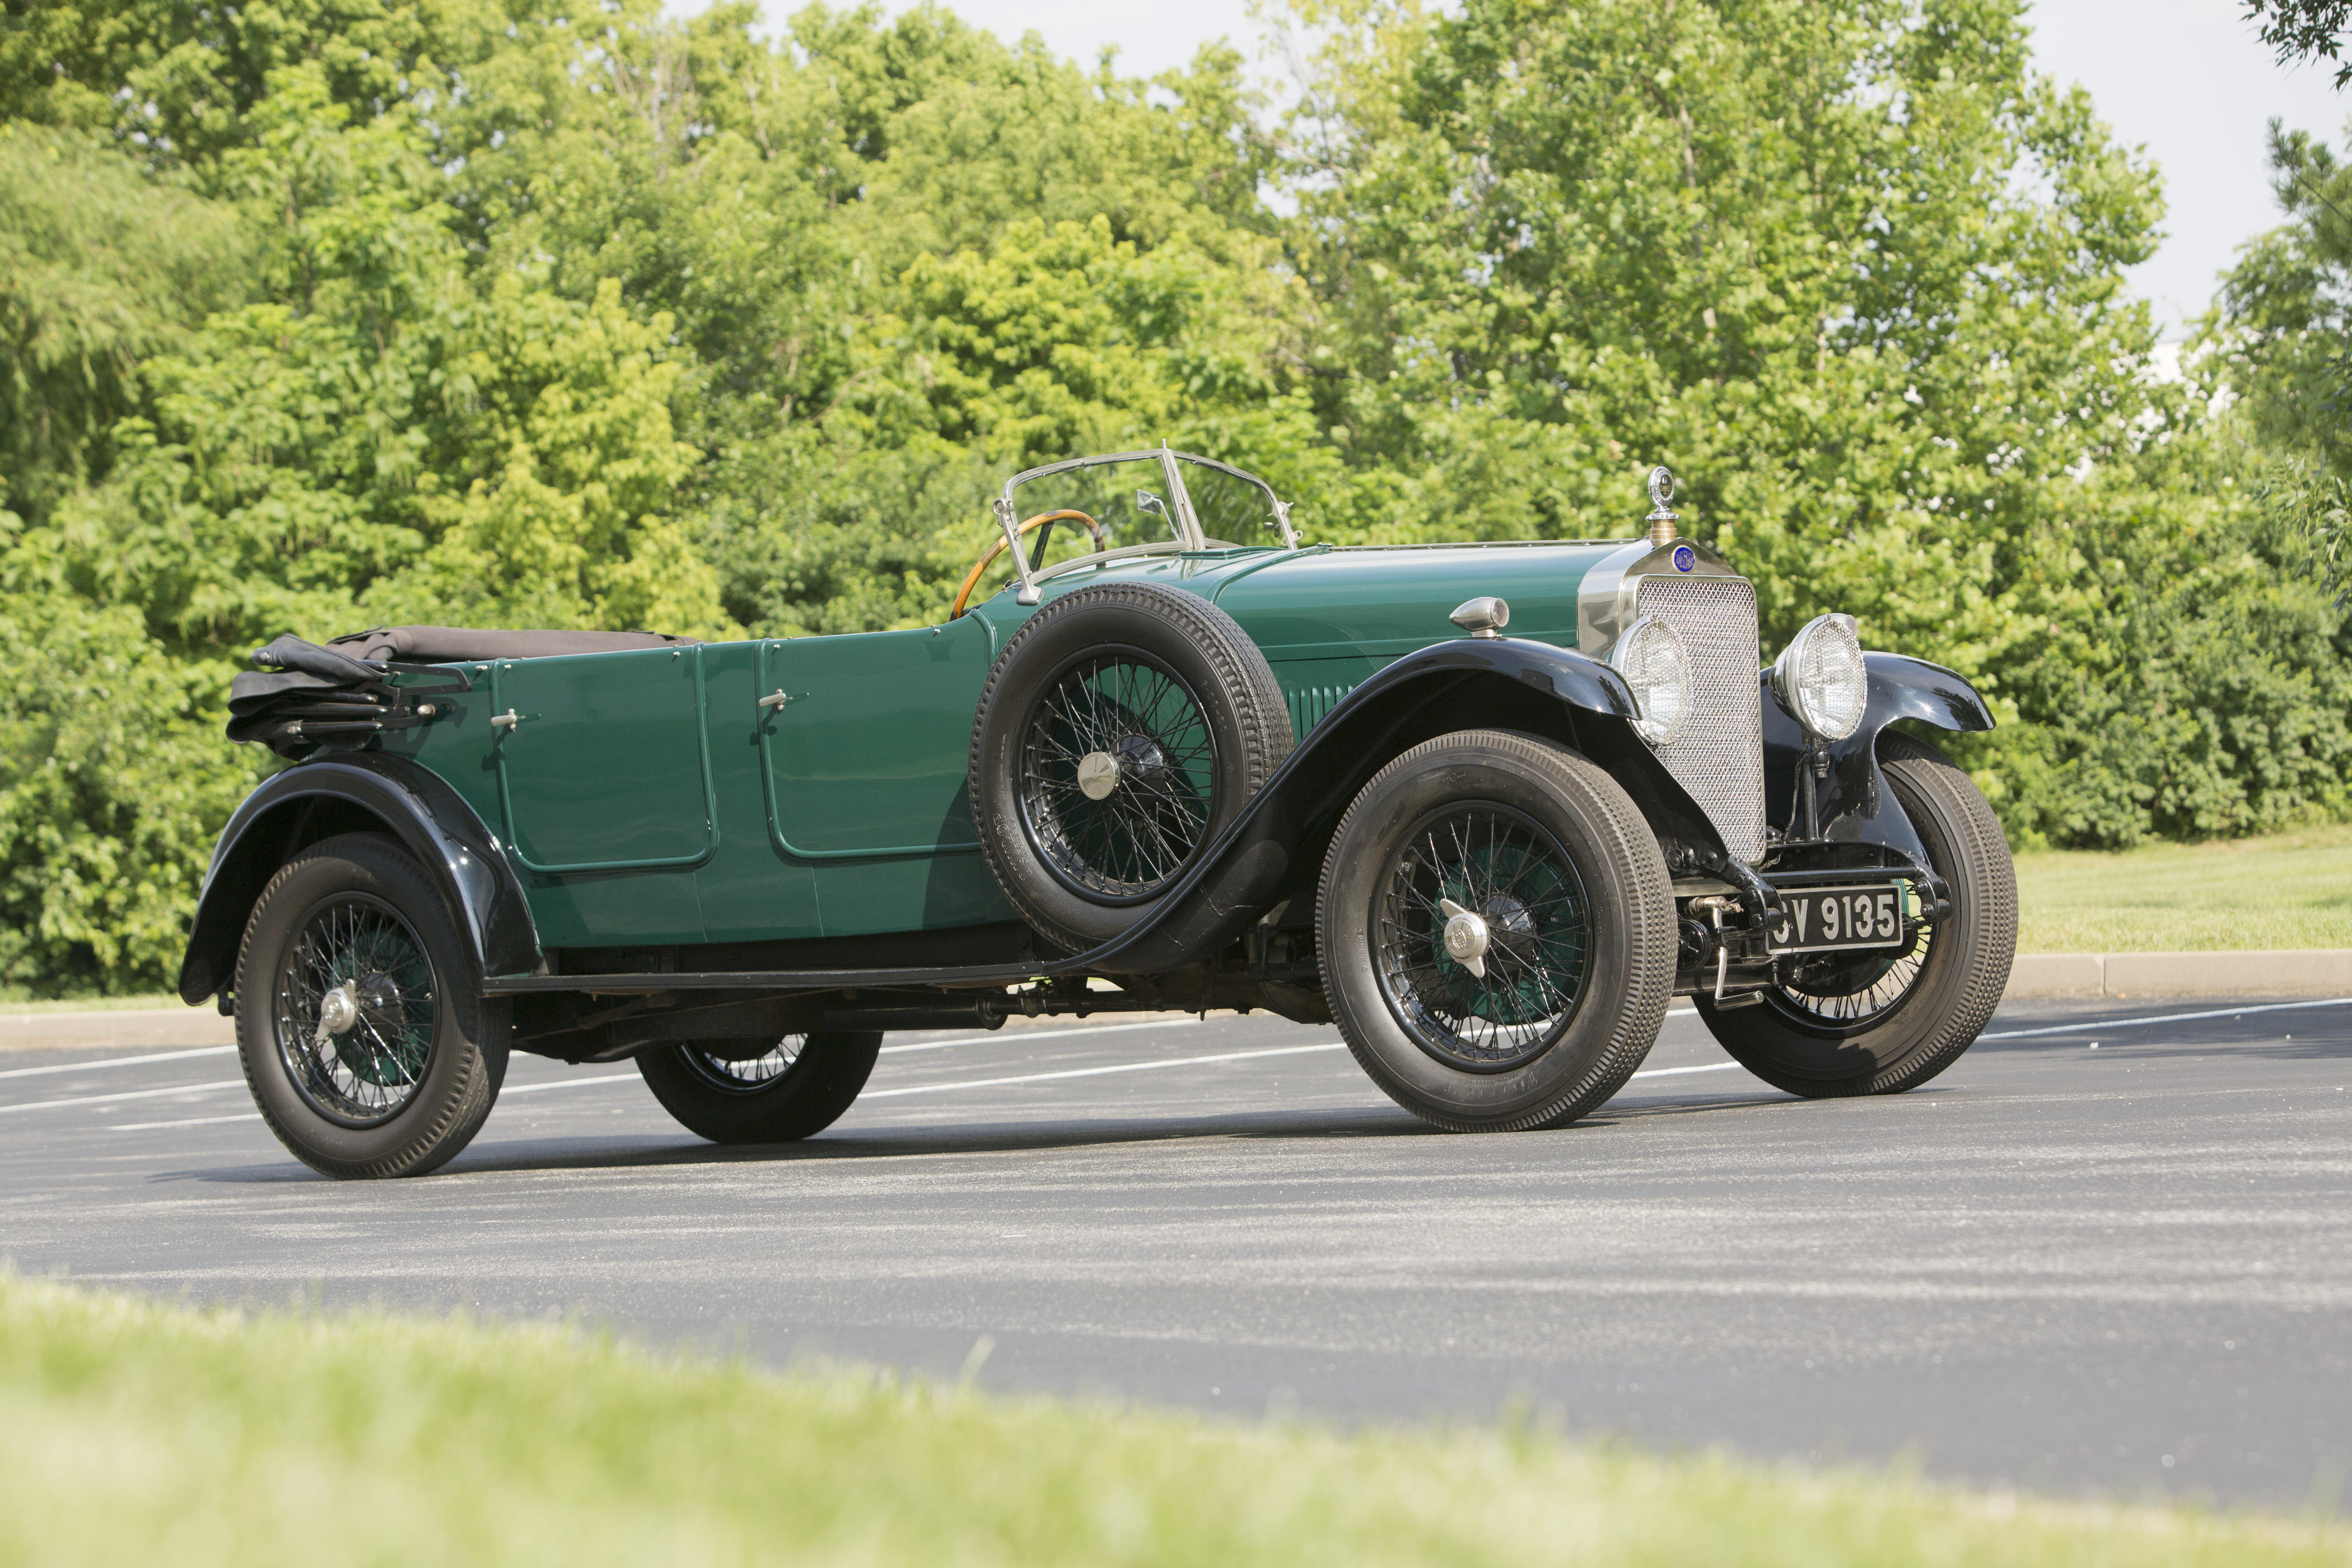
136,1432
2286,890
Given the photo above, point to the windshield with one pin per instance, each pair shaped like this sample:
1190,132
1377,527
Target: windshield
1232,508
1128,497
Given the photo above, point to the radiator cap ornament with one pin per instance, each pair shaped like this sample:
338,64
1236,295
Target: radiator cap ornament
1663,516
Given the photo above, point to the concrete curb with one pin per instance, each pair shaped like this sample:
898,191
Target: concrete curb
2303,971
132,1029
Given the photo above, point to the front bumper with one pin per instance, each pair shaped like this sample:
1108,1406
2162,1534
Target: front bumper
1727,949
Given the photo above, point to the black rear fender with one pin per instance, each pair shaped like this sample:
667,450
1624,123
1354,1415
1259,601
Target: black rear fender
364,792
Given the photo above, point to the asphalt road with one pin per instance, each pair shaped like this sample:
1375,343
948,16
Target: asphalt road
2113,1259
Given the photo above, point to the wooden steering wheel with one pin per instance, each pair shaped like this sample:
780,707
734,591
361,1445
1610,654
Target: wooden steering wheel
1046,520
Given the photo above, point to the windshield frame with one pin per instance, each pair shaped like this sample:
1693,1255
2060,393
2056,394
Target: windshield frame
1187,523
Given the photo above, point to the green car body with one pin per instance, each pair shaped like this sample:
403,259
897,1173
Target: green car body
647,799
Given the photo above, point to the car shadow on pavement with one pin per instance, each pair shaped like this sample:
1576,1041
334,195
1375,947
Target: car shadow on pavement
919,1141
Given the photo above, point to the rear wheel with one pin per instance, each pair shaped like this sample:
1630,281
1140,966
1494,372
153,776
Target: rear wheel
362,1031
1497,933
1875,1024
761,1091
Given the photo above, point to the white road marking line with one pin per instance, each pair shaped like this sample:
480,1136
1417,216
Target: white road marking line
126,1094
1096,1072
996,1036
122,1061
571,1083
1669,1072
2167,1018
189,1121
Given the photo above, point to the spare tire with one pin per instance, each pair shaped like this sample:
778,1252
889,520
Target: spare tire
1122,728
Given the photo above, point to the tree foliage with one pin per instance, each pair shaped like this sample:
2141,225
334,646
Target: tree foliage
2305,29
336,312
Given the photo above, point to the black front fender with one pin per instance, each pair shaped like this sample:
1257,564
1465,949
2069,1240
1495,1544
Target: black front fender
358,792
1852,806
1274,851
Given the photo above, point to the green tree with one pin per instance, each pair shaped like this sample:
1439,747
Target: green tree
1852,269
2305,29
113,781
101,269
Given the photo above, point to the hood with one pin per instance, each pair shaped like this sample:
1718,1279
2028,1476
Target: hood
1386,601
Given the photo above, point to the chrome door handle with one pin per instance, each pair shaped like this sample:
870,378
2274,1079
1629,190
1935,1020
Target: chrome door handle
506,720
775,699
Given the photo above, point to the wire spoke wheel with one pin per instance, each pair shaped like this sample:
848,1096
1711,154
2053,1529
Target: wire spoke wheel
1845,991
1483,937
1884,1021
355,1010
761,1089
1117,776
744,1075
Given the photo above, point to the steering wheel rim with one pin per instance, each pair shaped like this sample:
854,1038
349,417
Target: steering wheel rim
1043,520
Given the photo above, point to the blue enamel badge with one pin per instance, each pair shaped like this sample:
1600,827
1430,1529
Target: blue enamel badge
1685,558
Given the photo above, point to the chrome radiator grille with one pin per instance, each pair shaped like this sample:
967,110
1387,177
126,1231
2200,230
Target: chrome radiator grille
1719,756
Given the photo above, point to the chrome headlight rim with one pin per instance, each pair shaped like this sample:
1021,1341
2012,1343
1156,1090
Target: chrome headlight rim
1628,656
1830,636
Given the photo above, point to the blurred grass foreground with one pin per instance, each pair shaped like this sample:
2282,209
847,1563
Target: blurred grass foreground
132,1432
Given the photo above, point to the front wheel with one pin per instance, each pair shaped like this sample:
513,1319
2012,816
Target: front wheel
1868,1024
761,1091
1497,933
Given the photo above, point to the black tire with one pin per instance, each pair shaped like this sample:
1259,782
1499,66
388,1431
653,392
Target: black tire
409,1080
1907,1018
1165,691
761,1091
1582,962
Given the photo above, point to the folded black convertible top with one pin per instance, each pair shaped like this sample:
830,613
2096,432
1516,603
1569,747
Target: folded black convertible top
304,699
450,645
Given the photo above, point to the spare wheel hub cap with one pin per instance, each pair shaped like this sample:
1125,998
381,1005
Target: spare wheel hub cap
1097,774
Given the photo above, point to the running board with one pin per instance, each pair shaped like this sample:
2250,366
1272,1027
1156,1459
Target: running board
978,976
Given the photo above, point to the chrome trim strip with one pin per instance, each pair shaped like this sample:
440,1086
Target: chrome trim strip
1604,601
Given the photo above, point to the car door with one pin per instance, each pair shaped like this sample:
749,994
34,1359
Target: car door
867,740
601,760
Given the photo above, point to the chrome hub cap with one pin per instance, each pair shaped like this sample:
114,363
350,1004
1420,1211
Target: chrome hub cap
338,1010
1097,775
1466,937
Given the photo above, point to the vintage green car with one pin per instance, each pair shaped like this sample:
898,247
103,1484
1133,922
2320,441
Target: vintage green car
1183,760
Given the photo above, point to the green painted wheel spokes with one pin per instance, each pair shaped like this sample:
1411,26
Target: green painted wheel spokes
1852,990
355,1010
1494,863
1119,771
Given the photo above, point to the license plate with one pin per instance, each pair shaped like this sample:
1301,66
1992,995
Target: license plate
1830,919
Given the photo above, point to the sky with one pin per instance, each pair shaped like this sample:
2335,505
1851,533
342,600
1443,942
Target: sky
2185,80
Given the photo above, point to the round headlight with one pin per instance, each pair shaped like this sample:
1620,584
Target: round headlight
1819,677
1650,656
